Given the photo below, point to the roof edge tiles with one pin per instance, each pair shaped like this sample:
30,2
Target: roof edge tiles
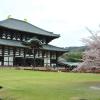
14,43
53,48
24,26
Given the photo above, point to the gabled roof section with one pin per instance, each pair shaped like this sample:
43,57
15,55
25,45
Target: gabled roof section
24,26
53,48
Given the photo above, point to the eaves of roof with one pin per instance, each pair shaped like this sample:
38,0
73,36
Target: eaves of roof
24,26
14,43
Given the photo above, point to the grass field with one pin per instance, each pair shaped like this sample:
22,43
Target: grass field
33,85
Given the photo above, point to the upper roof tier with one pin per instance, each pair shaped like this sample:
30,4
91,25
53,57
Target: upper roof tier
24,26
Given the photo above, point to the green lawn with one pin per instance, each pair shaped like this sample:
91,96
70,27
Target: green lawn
32,85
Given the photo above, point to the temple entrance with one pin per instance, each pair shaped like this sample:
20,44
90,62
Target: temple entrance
1,60
29,62
19,61
39,62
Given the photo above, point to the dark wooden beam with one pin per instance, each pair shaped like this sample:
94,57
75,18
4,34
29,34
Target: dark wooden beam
2,56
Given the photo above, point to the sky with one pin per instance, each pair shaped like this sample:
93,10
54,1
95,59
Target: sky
69,18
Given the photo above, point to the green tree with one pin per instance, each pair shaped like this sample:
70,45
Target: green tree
33,43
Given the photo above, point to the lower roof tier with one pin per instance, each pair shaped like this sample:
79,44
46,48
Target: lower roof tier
14,43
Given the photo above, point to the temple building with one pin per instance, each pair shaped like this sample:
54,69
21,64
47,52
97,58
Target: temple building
23,44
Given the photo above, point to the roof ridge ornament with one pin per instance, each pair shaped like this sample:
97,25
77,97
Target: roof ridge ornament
25,19
9,16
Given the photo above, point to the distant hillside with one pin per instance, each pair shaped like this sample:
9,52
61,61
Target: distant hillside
76,49
74,54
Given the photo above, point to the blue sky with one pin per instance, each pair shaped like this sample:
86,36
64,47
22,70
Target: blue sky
65,17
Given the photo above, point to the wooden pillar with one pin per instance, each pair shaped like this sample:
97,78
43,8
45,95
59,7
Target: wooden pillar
24,57
2,56
50,57
43,57
42,61
14,51
56,59
8,55
34,51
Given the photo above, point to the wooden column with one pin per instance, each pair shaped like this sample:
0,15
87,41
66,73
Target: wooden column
43,57
34,51
2,56
14,51
50,57
56,59
24,57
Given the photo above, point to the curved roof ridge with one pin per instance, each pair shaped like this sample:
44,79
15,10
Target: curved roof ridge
30,24
22,25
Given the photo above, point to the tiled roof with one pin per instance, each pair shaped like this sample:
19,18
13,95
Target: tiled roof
20,44
11,43
53,48
25,27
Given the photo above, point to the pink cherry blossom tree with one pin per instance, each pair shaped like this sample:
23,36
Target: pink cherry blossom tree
91,57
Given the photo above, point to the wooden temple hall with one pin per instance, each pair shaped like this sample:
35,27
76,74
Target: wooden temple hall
23,44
